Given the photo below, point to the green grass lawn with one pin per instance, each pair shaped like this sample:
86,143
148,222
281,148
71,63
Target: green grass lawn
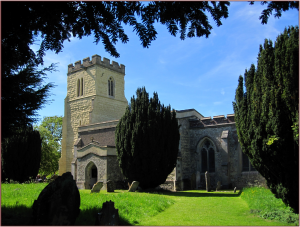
196,207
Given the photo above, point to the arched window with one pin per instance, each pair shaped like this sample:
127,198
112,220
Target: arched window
207,157
247,166
79,87
111,87
81,90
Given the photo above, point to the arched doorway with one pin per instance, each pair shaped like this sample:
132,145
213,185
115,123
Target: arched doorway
91,175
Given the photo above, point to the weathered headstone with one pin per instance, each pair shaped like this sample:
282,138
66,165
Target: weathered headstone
219,186
110,186
198,180
207,180
97,187
133,186
108,215
234,190
58,203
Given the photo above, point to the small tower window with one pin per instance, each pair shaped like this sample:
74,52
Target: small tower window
111,87
79,87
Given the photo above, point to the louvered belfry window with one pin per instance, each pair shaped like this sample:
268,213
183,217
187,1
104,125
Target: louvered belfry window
111,87
80,87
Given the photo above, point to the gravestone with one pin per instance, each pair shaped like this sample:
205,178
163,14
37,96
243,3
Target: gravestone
234,190
97,187
207,181
110,186
198,180
219,186
58,203
108,215
133,186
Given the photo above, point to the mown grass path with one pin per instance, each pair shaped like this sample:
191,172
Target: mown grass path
207,208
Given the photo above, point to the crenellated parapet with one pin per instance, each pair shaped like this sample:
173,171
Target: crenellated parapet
215,121
96,60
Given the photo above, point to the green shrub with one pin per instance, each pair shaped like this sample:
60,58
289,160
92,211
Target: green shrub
262,202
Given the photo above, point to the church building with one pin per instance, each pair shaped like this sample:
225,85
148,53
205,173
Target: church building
94,104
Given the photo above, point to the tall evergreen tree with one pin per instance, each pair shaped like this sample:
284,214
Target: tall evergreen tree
267,114
147,139
23,94
21,155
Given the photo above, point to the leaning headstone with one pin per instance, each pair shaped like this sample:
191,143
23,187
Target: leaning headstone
97,187
110,186
234,190
58,203
133,186
207,180
219,186
108,215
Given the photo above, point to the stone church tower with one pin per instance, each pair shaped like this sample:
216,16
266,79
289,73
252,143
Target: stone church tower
95,94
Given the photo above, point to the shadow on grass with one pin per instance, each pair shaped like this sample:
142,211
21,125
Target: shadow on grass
88,217
190,193
21,215
16,215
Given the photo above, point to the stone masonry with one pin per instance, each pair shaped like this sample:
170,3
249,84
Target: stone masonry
95,105
220,132
92,111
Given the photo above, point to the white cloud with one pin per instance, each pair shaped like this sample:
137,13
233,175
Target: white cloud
222,91
217,103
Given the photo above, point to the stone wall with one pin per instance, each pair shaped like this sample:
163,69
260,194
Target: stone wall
250,179
222,133
184,149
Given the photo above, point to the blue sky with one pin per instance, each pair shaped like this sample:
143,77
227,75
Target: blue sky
195,73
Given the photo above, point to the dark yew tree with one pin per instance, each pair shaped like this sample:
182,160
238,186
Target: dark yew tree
266,115
21,155
147,139
22,95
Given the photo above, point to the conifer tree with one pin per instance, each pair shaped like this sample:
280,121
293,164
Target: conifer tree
147,139
266,115
21,155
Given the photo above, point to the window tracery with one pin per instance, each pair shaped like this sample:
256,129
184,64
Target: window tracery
207,157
